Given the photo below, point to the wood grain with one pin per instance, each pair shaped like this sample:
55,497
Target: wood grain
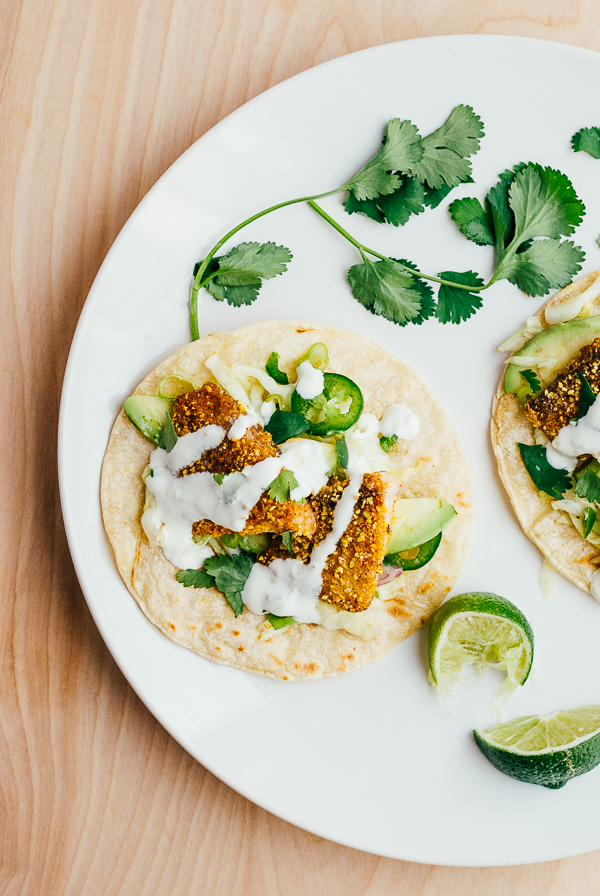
98,97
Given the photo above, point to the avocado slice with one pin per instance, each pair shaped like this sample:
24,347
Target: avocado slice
417,520
148,413
561,342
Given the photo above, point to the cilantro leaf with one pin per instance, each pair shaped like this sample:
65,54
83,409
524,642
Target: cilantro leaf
545,477
587,520
286,538
587,140
368,207
388,442
455,305
433,196
544,265
237,276
524,215
473,220
394,208
219,477
281,487
544,203
532,379
588,486
195,578
248,261
425,292
587,396
167,437
400,150
272,368
341,449
447,150
408,173
385,289
284,425
230,572
280,621
407,200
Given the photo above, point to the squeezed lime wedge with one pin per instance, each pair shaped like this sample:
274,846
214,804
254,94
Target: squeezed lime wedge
547,750
479,629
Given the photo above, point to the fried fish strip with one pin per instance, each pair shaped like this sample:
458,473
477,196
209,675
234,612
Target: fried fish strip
212,404
352,570
558,403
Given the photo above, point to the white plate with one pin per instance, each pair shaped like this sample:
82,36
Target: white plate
370,759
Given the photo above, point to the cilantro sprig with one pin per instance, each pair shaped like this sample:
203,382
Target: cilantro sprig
410,173
524,218
225,572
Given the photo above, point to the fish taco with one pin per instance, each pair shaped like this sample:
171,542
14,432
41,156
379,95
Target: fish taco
546,430
287,499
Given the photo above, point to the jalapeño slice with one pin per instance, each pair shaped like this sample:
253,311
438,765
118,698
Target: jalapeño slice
409,560
338,406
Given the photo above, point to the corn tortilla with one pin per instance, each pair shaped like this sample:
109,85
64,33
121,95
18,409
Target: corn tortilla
201,619
550,530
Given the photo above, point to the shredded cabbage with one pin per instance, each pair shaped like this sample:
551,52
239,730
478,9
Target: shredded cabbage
226,378
518,339
548,579
267,382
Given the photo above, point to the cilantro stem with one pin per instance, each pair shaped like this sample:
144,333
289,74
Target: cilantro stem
362,249
199,282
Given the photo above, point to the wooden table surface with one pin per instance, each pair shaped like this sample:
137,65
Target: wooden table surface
98,98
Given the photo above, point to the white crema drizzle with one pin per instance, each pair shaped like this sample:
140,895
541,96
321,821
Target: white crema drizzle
179,501
291,588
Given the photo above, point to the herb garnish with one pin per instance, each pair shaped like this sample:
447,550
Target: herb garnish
532,379
410,172
226,572
545,477
285,425
286,539
388,442
281,487
587,140
167,437
587,396
523,217
588,486
278,622
237,277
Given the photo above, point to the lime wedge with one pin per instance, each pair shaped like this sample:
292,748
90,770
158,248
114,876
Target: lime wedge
479,629
547,750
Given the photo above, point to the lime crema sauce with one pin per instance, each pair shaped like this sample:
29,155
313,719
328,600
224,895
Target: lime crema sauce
579,437
181,500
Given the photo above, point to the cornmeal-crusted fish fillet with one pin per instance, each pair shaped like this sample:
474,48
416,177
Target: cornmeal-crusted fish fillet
351,573
558,403
352,570
268,516
213,405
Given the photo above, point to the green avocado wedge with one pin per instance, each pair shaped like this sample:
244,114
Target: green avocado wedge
559,343
416,521
148,413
